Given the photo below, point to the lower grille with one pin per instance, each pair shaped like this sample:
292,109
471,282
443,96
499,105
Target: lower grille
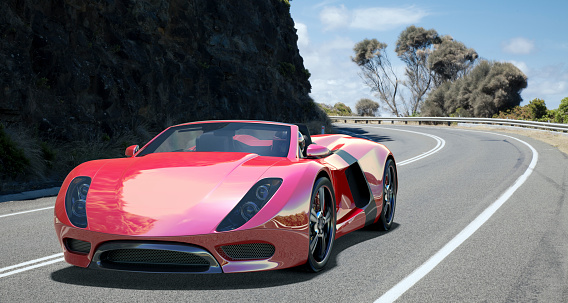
249,251
77,246
154,256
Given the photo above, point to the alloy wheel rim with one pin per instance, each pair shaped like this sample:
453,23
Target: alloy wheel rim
389,195
320,225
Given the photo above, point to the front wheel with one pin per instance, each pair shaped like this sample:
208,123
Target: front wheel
390,188
322,224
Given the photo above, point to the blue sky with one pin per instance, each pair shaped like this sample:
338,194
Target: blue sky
530,34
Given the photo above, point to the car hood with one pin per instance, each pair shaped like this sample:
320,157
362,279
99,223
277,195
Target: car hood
170,194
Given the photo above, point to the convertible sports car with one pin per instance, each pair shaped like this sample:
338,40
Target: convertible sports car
225,196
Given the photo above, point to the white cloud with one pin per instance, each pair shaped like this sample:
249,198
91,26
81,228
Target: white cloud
549,83
340,43
384,18
518,46
324,3
335,17
303,37
373,18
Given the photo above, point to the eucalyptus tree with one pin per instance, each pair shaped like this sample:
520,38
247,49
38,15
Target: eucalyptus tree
377,72
451,60
413,47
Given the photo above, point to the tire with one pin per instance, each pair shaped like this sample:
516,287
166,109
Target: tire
321,225
390,188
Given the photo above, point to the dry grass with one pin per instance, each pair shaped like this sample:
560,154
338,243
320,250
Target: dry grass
558,140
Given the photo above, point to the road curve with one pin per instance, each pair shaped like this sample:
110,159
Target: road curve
519,254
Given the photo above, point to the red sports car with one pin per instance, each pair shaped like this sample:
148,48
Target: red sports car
225,196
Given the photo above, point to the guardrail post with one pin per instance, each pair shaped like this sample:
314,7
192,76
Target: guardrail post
405,122
367,121
419,122
392,122
449,123
379,121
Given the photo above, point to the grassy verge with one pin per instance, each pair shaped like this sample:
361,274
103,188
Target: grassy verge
558,140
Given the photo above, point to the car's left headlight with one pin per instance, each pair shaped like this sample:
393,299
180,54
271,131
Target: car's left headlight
250,204
76,201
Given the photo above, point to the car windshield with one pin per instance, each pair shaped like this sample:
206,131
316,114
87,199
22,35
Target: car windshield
263,139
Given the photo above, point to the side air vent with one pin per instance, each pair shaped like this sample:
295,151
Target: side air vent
358,185
77,246
249,251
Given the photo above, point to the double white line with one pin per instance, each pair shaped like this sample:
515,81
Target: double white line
18,268
440,143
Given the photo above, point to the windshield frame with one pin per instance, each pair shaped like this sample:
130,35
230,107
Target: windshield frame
151,146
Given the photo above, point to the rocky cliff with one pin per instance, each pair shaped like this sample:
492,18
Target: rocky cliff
82,69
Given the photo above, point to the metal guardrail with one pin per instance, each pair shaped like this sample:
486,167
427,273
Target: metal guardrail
522,123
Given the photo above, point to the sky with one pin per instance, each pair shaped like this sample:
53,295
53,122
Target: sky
533,35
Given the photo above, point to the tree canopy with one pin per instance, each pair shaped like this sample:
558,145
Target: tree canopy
451,60
339,109
413,47
561,115
443,77
367,107
490,87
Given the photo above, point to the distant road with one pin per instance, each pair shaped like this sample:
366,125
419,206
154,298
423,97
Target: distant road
448,179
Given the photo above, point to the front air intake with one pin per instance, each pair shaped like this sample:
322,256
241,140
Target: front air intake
249,251
77,246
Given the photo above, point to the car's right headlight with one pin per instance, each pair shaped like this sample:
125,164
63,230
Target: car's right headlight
76,201
250,204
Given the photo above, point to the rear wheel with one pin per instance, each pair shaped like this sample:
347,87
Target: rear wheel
390,188
322,225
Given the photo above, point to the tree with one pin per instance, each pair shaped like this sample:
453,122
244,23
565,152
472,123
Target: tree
377,72
339,109
561,115
451,60
342,109
489,88
538,109
413,47
367,107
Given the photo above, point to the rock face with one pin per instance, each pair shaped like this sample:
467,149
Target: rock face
73,68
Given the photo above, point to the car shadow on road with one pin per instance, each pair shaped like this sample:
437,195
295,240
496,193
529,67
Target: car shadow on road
144,281
361,133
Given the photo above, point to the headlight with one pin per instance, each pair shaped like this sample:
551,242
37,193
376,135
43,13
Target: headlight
250,204
76,201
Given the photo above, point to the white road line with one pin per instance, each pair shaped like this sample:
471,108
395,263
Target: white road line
440,143
404,285
25,212
22,266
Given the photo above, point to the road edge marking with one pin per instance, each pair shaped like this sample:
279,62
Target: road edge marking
405,284
25,212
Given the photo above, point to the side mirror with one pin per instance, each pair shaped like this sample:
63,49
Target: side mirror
317,151
131,150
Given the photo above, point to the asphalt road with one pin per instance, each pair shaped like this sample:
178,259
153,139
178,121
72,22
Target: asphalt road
516,249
